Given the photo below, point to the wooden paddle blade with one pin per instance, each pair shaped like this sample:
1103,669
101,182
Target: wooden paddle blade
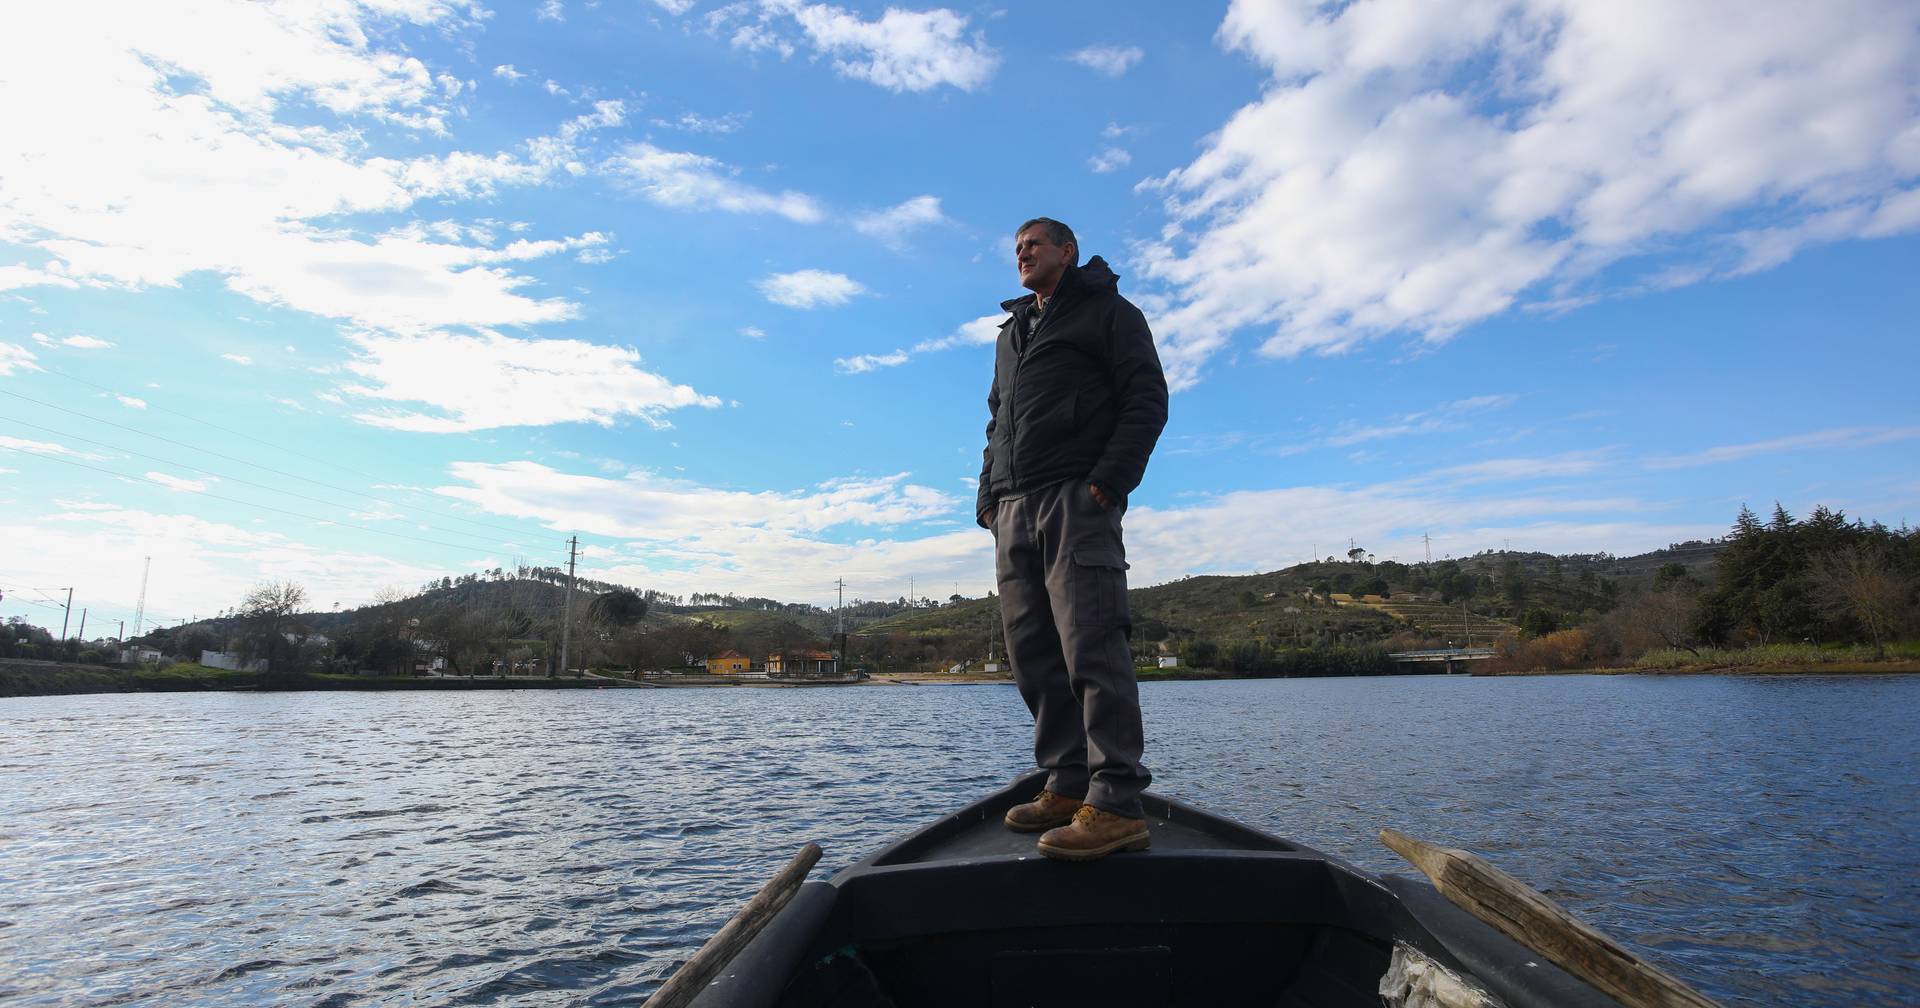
1533,920
693,975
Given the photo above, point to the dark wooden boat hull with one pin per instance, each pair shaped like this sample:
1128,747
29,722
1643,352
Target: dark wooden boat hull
964,912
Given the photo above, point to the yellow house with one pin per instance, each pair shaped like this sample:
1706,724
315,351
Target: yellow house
728,663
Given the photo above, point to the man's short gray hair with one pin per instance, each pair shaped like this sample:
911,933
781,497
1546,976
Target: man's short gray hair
1057,233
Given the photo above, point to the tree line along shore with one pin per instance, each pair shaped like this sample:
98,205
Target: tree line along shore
1819,593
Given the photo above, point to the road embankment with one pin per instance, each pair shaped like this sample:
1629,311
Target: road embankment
25,678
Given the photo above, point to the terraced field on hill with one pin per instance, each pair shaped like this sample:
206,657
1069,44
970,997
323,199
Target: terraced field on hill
1437,619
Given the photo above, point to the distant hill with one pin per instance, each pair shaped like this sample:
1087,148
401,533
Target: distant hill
1320,605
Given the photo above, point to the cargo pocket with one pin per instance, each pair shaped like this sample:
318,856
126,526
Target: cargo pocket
1099,588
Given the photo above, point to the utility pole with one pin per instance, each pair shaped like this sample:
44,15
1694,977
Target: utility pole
566,609
840,619
67,614
122,635
1428,540
83,623
140,610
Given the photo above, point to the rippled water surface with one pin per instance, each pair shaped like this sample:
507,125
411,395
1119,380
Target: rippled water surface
1755,835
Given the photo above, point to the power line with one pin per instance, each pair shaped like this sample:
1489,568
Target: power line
241,461
242,503
215,426
219,475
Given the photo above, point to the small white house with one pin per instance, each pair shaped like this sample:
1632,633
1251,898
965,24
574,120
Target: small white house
1169,661
230,661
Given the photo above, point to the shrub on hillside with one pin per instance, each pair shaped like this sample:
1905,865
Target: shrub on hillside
1562,649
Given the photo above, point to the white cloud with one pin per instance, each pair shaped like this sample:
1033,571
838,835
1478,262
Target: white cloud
901,51
686,181
1368,191
506,72
36,447
199,566
16,358
680,537
231,143
1445,417
86,343
16,276
178,484
695,123
1112,61
1510,469
895,223
131,402
869,362
810,288
241,359
470,383
753,332
674,7
1839,437
983,331
1269,529
1109,160
551,10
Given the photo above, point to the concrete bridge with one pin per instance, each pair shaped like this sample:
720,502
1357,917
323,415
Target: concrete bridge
1446,655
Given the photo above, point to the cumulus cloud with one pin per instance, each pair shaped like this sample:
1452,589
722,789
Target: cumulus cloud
1110,60
16,358
894,224
233,143
810,288
682,180
86,343
901,51
1383,183
241,359
1109,160
983,331
175,483
753,332
870,362
461,383
506,72
131,402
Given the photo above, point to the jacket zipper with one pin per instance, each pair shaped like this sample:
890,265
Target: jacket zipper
1013,386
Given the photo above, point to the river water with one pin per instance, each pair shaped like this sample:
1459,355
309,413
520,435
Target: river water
1754,835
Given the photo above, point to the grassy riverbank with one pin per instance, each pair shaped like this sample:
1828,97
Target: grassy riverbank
37,678
1773,659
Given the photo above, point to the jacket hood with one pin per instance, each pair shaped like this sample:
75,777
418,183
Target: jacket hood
1094,274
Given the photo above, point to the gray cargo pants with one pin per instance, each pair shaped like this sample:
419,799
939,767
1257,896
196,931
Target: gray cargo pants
1063,597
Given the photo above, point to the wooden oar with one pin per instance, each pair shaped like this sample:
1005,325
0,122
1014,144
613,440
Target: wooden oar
733,936
1537,922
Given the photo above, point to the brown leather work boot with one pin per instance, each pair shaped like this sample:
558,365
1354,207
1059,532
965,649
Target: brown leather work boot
1044,812
1095,833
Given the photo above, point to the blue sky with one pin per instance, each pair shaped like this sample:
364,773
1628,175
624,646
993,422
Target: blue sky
357,294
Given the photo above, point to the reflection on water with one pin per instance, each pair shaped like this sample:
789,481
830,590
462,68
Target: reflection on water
1753,835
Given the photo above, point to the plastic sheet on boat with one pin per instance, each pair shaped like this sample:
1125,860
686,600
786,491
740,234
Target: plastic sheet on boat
1414,981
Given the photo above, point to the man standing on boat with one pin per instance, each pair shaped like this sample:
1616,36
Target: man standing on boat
1078,401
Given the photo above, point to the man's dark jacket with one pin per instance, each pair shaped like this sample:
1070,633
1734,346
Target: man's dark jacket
1082,397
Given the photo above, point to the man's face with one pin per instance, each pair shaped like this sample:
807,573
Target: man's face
1039,260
